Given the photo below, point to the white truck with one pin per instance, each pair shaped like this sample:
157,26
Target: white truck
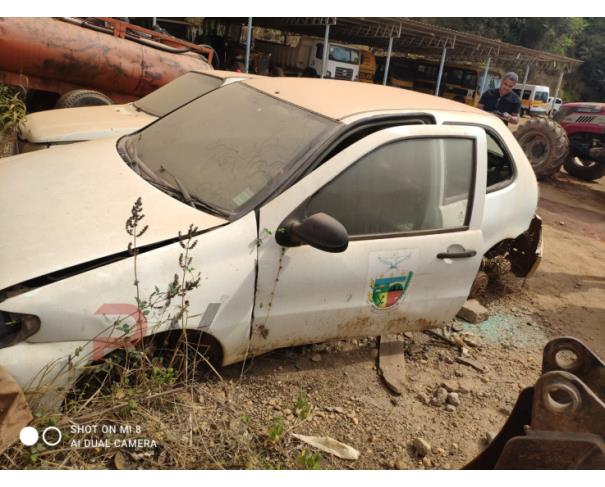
307,56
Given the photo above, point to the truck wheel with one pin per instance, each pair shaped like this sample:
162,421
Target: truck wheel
584,168
545,144
82,98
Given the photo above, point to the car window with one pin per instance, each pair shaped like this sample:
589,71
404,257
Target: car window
499,163
541,96
231,145
176,93
405,186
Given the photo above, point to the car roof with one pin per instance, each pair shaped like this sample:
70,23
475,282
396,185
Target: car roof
338,99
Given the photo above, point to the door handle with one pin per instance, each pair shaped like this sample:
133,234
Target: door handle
457,255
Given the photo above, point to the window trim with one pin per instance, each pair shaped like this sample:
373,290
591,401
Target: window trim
301,210
319,155
503,146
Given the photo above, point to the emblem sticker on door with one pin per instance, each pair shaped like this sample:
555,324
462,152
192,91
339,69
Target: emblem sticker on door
389,277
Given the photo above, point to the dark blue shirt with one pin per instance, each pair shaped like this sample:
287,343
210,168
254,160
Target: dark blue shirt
493,102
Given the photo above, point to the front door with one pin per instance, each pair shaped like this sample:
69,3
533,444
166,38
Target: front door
411,199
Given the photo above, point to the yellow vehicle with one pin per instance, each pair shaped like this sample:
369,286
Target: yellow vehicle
459,83
367,66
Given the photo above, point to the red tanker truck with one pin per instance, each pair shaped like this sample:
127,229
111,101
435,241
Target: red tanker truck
69,62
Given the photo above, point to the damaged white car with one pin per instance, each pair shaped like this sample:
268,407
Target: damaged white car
324,209
67,125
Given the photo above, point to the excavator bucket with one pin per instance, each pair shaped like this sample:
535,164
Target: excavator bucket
560,422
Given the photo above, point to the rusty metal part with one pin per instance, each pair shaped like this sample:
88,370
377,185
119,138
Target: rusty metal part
559,423
57,56
589,368
553,450
479,284
525,253
562,402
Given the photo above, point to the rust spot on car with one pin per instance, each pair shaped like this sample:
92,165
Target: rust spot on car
262,331
353,327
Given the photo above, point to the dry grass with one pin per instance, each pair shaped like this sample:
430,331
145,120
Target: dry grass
190,417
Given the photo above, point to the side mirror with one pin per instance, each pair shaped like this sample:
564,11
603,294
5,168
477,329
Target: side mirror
319,230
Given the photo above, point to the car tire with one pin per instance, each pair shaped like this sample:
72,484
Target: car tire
545,144
82,98
584,168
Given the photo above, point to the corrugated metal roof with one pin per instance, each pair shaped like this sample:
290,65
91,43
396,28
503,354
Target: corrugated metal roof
411,37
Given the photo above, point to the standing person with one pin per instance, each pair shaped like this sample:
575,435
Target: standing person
502,101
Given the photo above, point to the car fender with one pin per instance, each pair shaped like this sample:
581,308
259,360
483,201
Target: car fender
94,306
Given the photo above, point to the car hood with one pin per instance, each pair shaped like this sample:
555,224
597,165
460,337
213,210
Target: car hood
83,123
68,205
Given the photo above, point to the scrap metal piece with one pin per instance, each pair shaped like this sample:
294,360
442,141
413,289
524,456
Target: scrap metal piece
526,250
391,362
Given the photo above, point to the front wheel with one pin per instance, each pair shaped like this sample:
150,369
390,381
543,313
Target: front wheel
584,168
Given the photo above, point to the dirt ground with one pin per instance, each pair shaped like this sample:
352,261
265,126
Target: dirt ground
246,418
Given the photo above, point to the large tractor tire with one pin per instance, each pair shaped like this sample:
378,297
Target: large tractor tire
82,98
545,144
584,168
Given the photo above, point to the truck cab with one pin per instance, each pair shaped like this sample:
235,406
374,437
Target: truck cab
306,58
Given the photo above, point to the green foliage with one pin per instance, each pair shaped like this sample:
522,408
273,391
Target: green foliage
302,406
276,430
580,38
591,50
163,376
12,108
552,34
308,460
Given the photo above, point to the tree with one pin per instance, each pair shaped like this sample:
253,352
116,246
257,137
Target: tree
590,48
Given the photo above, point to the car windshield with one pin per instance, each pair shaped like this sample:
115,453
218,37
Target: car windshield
178,92
229,146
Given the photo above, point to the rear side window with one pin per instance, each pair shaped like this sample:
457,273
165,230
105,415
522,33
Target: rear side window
405,186
178,92
526,93
499,164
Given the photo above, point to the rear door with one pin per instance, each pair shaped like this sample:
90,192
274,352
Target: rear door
411,199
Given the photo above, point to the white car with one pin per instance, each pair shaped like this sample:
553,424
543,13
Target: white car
67,125
324,209
554,105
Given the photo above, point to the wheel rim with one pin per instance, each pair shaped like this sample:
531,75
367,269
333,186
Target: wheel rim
536,148
578,161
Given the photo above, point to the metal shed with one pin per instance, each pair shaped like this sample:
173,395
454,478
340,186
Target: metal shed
403,35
